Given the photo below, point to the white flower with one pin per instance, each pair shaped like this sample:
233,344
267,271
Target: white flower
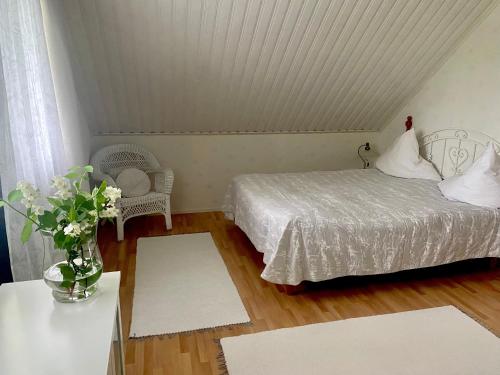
72,230
112,194
37,210
109,212
93,216
60,183
86,227
26,203
30,194
25,187
22,185
64,194
62,187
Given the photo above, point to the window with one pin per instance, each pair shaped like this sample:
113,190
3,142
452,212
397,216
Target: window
5,273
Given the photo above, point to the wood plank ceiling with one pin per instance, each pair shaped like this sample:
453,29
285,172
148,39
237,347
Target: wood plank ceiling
203,66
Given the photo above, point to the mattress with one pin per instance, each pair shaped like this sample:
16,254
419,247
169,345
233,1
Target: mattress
321,225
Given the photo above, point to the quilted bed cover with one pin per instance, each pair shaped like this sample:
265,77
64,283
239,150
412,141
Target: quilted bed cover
321,225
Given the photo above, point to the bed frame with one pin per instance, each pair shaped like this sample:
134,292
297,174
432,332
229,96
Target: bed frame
451,151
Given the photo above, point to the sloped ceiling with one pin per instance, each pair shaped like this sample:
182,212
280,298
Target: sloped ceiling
183,66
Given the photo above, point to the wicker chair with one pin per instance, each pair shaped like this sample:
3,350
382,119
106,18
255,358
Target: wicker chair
111,160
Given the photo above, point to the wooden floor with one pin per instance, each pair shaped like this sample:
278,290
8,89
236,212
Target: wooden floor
471,286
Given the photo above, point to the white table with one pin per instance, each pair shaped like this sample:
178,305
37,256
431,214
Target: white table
41,336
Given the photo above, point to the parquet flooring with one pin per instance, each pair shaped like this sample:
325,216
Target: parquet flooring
472,286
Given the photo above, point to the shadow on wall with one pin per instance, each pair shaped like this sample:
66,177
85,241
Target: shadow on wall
5,273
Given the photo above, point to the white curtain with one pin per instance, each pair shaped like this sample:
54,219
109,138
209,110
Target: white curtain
31,142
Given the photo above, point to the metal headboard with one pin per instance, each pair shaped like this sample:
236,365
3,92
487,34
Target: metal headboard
452,151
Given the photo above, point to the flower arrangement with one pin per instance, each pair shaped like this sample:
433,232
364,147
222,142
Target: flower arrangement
70,217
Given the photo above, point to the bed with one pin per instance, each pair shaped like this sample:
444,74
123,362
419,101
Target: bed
322,225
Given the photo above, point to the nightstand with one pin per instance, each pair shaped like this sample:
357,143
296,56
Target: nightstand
41,336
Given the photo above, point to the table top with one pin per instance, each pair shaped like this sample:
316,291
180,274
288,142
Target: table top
41,336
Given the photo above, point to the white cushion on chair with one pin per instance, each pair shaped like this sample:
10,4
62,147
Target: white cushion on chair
133,182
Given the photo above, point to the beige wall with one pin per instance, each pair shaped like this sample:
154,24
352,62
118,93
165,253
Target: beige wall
204,164
464,93
74,126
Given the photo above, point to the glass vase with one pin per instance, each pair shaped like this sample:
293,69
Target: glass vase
76,278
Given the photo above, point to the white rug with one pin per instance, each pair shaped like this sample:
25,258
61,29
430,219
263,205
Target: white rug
439,341
182,284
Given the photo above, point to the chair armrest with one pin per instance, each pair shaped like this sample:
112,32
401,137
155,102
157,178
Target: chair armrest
163,180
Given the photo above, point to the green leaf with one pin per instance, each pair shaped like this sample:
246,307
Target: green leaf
69,243
89,168
14,196
59,238
82,216
100,200
72,175
65,207
67,284
72,214
54,202
67,272
91,279
88,205
48,220
2,203
79,200
102,187
26,232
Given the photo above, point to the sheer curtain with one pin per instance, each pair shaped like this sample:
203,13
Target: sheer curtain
31,142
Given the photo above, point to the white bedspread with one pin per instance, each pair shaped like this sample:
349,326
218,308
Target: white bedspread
322,225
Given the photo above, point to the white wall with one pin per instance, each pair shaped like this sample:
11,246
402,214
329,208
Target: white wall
74,126
204,164
464,93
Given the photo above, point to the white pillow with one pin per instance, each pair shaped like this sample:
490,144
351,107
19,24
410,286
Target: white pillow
479,185
402,159
133,182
